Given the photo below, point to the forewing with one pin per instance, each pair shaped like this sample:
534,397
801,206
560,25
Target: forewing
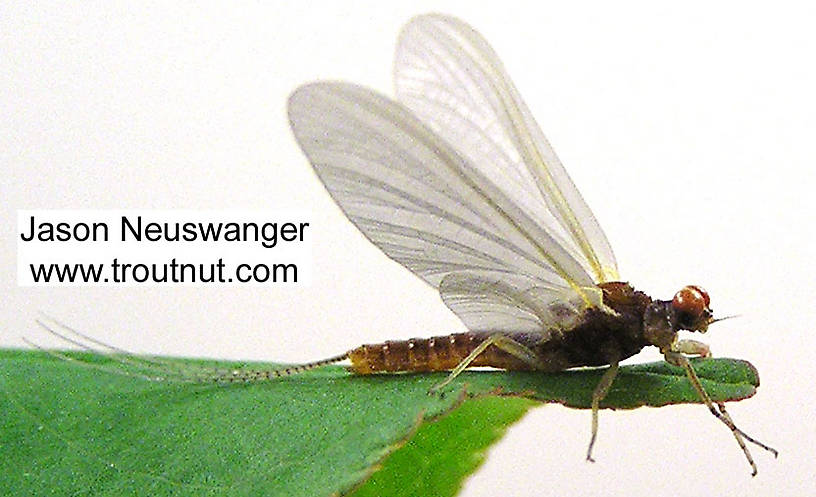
448,75
417,198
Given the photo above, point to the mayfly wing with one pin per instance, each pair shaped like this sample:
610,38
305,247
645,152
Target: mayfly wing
419,200
450,77
513,303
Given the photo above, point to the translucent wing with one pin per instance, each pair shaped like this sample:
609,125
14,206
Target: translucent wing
514,303
448,75
419,200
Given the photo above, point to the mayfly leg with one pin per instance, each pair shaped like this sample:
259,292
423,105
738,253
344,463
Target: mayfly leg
597,396
501,341
721,407
701,349
719,411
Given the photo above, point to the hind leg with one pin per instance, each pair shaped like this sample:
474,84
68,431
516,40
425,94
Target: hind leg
499,340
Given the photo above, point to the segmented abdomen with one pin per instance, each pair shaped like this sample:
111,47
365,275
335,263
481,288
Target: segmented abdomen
429,354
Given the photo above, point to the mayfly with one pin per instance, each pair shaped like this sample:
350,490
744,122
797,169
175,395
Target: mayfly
455,181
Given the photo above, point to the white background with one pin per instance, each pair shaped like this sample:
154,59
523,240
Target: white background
688,129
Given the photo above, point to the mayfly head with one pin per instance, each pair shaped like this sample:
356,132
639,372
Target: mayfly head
688,310
691,309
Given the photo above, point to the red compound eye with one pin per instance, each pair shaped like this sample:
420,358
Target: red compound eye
703,293
692,300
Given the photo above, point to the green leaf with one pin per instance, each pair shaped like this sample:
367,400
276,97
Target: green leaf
73,430
437,458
